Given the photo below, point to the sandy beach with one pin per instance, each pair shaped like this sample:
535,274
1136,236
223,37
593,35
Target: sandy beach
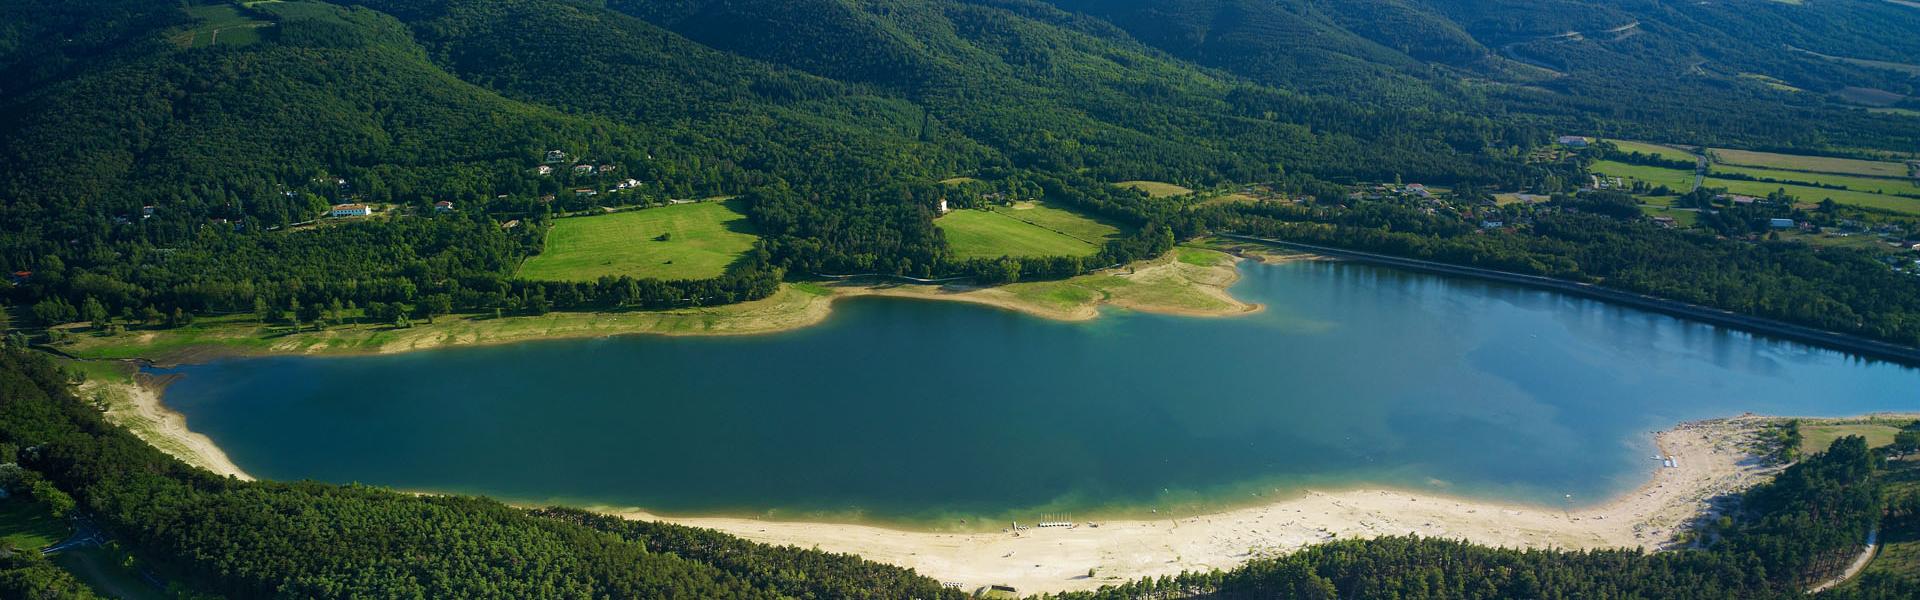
136,406
1712,460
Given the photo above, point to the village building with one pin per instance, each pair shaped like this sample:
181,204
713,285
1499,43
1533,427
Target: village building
583,169
1663,221
1575,141
146,212
543,170
351,210
629,184
556,156
584,192
604,169
443,206
1780,223
943,206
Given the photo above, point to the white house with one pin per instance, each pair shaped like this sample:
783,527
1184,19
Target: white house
543,170
943,206
351,210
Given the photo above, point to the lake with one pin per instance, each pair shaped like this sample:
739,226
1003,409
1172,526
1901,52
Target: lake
923,412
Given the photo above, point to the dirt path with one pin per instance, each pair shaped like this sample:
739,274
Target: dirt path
1859,564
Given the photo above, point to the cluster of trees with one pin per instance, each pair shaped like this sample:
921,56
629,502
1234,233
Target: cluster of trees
207,534
1803,527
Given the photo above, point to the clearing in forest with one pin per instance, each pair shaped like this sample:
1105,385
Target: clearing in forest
222,24
1025,229
683,241
1157,189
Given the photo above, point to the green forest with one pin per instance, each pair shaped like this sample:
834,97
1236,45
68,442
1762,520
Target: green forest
167,161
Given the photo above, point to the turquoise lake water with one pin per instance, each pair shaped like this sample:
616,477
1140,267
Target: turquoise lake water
928,412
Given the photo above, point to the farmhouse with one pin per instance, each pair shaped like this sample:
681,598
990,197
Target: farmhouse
443,206
351,210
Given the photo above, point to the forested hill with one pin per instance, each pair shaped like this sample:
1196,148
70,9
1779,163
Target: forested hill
173,158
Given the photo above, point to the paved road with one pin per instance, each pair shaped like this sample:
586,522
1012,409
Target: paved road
84,535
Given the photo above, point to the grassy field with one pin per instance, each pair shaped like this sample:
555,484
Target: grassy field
104,569
1026,230
1677,179
222,24
1852,182
704,238
26,524
1156,189
1823,164
1660,150
1681,218
1816,437
1810,195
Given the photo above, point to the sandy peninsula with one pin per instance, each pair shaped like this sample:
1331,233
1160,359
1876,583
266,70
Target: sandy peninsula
1189,281
135,404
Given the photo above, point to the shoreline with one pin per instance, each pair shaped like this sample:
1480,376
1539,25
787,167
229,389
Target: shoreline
1716,457
136,405
1174,284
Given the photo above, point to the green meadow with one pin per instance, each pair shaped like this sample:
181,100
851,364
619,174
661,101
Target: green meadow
1157,189
1677,179
1027,229
684,241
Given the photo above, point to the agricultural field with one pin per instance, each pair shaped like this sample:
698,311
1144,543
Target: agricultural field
1852,182
1823,164
1660,150
684,241
1811,195
1679,180
222,24
1027,229
1156,189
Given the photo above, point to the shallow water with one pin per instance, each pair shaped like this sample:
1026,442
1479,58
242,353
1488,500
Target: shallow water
926,412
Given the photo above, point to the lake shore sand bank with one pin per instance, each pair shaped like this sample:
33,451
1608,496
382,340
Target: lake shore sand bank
1713,458
1190,281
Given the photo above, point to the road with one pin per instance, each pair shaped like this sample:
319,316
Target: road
1859,563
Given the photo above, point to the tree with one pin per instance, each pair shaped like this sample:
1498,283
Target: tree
435,305
95,313
54,311
58,502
